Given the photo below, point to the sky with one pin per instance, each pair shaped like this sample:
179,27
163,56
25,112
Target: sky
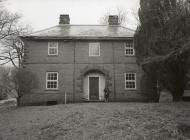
40,14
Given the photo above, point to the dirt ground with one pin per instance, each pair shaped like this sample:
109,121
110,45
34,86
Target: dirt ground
97,121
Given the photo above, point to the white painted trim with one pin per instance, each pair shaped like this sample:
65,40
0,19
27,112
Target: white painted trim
52,80
94,75
130,80
56,47
90,46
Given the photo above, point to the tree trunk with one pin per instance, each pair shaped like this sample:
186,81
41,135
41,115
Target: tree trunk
18,101
19,97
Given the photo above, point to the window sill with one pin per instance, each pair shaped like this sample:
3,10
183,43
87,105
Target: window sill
129,55
52,55
51,89
130,89
94,55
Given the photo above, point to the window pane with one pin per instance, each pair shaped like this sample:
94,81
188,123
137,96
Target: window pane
130,81
48,85
94,49
129,51
52,80
52,76
52,50
127,77
49,77
133,84
130,85
129,48
52,85
52,44
129,44
133,77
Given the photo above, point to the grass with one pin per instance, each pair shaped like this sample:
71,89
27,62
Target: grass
94,121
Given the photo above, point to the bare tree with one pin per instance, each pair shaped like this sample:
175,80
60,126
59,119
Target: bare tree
136,16
8,23
12,51
122,17
12,48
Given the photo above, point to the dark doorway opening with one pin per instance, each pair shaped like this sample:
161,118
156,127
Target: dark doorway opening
94,88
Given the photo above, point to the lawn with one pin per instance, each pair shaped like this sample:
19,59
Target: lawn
94,121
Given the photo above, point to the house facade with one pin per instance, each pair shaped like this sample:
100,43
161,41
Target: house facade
80,60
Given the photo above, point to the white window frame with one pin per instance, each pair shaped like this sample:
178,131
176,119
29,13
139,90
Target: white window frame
54,47
92,46
52,81
125,74
126,47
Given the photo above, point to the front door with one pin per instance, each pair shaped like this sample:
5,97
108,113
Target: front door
94,88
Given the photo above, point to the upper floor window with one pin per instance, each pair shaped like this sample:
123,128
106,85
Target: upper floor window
130,81
52,48
94,49
52,80
129,49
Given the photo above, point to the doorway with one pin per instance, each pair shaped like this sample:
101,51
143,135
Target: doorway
94,87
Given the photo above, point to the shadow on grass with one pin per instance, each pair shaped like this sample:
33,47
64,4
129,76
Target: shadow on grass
184,128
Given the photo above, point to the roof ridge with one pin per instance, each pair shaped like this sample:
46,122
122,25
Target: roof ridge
90,25
81,25
95,25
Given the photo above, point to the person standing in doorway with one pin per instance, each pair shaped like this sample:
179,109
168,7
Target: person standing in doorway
106,93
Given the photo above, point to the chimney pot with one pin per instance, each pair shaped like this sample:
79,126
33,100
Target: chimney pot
64,19
113,20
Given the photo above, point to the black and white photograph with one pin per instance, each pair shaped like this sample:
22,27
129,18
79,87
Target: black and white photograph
94,69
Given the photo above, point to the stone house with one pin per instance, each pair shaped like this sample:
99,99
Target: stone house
80,60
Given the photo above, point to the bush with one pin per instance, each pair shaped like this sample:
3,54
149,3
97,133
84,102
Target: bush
5,83
149,89
25,81
3,94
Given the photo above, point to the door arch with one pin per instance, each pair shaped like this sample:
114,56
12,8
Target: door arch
93,86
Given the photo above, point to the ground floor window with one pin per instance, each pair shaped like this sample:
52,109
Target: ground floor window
130,80
52,80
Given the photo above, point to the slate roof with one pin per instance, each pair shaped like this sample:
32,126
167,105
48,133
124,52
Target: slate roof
83,32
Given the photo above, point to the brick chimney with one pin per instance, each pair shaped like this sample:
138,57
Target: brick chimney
64,19
113,20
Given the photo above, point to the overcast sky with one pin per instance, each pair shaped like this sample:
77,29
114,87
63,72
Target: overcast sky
41,14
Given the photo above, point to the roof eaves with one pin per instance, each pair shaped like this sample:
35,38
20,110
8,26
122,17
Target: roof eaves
76,38
128,28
